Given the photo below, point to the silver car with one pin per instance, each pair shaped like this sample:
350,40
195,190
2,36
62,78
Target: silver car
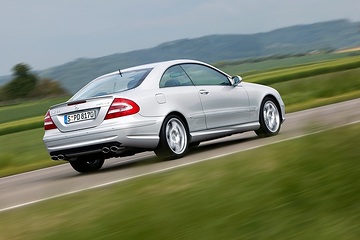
164,107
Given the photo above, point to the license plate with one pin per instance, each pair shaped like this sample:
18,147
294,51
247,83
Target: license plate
79,116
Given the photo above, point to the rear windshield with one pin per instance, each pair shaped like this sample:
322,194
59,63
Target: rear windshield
112,84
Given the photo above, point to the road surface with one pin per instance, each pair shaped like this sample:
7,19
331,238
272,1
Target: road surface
32,187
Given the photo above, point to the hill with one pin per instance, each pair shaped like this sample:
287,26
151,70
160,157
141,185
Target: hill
213,48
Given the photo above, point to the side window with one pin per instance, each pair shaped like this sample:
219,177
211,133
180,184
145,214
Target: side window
175,76
203,75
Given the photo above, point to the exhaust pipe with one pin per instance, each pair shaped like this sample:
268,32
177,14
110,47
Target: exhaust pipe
105,150
114,149
58,157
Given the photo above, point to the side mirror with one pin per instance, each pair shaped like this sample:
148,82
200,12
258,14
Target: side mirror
236,80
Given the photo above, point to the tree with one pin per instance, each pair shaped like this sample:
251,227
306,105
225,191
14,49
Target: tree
47,87
2,94
26,85
23,82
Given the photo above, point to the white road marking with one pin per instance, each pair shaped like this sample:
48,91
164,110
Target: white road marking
167,169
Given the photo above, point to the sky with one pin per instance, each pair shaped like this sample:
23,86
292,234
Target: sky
44,33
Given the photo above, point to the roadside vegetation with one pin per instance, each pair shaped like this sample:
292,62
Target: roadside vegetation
27,109
311,191
23,151
304,81
27,85
302,71
25,116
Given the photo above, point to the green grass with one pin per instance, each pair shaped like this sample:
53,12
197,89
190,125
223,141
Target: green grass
319,90
322,101
302,71
23,151
307,188
27,109
21,125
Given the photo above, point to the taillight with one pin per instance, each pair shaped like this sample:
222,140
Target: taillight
122,107
48,122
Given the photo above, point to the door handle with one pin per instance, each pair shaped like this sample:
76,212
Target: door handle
204,92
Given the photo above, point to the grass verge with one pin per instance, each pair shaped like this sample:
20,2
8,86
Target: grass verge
307,188
27,109
21,125
23,151
313,103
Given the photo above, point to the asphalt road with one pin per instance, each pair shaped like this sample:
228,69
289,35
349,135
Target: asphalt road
32,187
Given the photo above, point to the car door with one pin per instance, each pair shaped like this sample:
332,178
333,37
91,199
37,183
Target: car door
223,104
178,93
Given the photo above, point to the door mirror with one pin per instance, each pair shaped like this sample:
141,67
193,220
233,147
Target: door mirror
236,80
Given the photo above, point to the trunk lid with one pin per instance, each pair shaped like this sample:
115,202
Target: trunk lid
80,114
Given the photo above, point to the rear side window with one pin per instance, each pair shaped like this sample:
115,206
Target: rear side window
203,75
174,76
112,83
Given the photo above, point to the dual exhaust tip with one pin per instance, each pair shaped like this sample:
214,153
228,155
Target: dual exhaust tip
113,149
58,157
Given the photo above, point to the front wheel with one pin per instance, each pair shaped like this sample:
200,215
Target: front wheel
269,118
84,166
173,139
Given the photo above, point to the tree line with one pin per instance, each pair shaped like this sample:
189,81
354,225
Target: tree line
28,85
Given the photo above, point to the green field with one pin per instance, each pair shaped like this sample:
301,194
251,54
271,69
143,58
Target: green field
307,188
314,91
27,109
302,71
246,67
23,151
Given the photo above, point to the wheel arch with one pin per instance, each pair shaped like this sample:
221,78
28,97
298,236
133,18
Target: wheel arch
163,150
276,101
181,116
270,123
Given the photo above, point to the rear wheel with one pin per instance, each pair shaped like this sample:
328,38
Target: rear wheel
173,139
269,118
84,165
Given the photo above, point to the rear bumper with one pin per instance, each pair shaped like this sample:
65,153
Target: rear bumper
140,134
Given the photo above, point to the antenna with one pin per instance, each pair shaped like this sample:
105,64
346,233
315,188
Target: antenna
120,73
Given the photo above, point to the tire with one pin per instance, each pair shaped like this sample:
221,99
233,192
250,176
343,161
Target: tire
269,118
85,166
174,137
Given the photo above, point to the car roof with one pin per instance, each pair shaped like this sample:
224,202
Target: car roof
163,64
158,65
